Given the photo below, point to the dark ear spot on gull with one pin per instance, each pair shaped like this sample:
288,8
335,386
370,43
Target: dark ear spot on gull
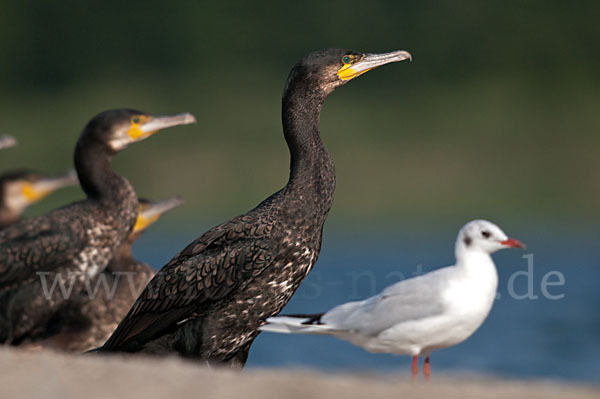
467,240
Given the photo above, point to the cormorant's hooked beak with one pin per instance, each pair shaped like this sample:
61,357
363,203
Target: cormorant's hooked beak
147,126
512,243
371,61
150,212
7,141
35,191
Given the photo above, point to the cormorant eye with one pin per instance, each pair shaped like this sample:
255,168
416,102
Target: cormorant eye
486,234
135,120
346,59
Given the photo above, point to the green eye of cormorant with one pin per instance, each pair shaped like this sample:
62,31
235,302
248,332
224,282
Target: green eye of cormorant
136,120
346,59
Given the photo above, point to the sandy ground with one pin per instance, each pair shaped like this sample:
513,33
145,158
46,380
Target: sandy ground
50,375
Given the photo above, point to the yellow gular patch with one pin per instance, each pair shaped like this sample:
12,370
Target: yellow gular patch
135,131
32,194
143,222
346,72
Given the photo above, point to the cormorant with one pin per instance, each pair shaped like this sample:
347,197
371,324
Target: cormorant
88,320
421,314
7,141
45,260
20,189
209,300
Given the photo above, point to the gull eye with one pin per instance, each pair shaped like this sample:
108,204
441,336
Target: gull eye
136,120
346,59
486,234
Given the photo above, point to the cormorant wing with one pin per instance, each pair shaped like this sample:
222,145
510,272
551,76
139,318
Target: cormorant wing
214,266
35,245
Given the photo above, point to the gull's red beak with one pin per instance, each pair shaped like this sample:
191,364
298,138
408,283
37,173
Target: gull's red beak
511,242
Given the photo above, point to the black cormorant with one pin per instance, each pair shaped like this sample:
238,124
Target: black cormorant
46,260
7,141
209,300
88,320
20,189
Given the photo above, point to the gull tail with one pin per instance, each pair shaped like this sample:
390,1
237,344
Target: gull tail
297,324
95,350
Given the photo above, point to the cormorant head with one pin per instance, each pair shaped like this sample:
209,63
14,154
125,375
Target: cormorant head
7,141
23,188
150,211
483,236
121,127
322,71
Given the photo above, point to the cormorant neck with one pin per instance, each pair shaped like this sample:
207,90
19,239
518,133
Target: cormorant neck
301,112
8,216
123,253
97,179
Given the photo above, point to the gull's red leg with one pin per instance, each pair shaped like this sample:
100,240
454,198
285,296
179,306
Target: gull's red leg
415,368
427,369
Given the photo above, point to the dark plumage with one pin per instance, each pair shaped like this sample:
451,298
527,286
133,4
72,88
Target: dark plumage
90,318
209,300
73,243
20,189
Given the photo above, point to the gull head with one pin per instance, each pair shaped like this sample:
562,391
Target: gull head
483,236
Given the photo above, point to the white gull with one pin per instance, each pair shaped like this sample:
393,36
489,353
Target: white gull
418,315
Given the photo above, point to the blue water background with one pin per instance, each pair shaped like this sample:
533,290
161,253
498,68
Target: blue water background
521,338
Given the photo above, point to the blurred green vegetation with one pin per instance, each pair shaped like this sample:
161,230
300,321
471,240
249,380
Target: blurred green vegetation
497,116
